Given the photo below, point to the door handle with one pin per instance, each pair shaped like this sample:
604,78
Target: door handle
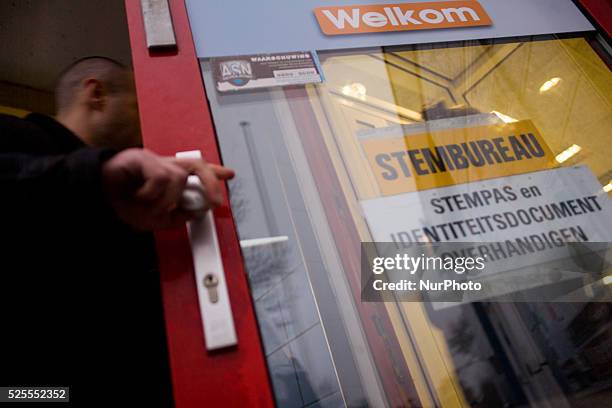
213,297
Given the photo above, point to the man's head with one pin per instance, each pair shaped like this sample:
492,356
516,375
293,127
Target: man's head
96,99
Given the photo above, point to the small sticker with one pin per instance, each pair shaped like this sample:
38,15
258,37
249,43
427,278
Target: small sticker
265,70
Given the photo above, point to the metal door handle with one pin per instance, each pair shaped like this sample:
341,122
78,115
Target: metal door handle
215,307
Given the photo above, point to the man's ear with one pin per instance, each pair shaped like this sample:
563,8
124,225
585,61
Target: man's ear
95,94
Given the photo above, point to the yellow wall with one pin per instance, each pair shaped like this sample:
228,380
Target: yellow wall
13,111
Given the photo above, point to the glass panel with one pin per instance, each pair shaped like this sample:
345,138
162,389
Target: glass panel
304,172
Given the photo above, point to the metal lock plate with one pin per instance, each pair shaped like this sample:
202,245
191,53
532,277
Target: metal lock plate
213,296
211,282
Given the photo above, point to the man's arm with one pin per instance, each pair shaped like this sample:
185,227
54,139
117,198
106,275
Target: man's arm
64,183
142,188
146,189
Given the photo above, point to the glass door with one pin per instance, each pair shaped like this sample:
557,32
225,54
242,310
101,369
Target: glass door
305,168
309,166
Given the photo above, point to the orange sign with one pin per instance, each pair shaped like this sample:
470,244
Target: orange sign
455,156
377,18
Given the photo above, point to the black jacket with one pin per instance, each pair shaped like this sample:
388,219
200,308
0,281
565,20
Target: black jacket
80,301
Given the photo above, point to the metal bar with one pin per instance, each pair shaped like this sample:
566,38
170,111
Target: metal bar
159,30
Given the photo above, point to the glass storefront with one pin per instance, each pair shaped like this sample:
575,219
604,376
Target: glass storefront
303,172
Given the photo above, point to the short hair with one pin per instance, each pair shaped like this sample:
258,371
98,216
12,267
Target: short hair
106,70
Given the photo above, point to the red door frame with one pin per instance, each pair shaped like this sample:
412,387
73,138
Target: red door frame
175,117
601,12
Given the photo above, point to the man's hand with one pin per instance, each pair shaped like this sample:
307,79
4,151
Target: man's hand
145,189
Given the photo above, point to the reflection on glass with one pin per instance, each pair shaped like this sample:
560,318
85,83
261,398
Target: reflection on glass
303,174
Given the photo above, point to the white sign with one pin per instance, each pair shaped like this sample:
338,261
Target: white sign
265,70
517,221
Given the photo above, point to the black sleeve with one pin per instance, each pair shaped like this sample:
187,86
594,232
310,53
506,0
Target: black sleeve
53,185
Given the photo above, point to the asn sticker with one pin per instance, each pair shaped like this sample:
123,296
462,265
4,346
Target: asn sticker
376,18
245,72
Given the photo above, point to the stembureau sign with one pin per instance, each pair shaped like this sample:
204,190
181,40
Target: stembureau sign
447,157
496,188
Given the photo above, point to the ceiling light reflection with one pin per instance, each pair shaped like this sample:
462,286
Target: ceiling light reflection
568,153
355,90
550,84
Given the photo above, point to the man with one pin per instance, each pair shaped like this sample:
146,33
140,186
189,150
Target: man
80,301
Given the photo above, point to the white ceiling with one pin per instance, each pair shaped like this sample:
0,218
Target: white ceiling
38,38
